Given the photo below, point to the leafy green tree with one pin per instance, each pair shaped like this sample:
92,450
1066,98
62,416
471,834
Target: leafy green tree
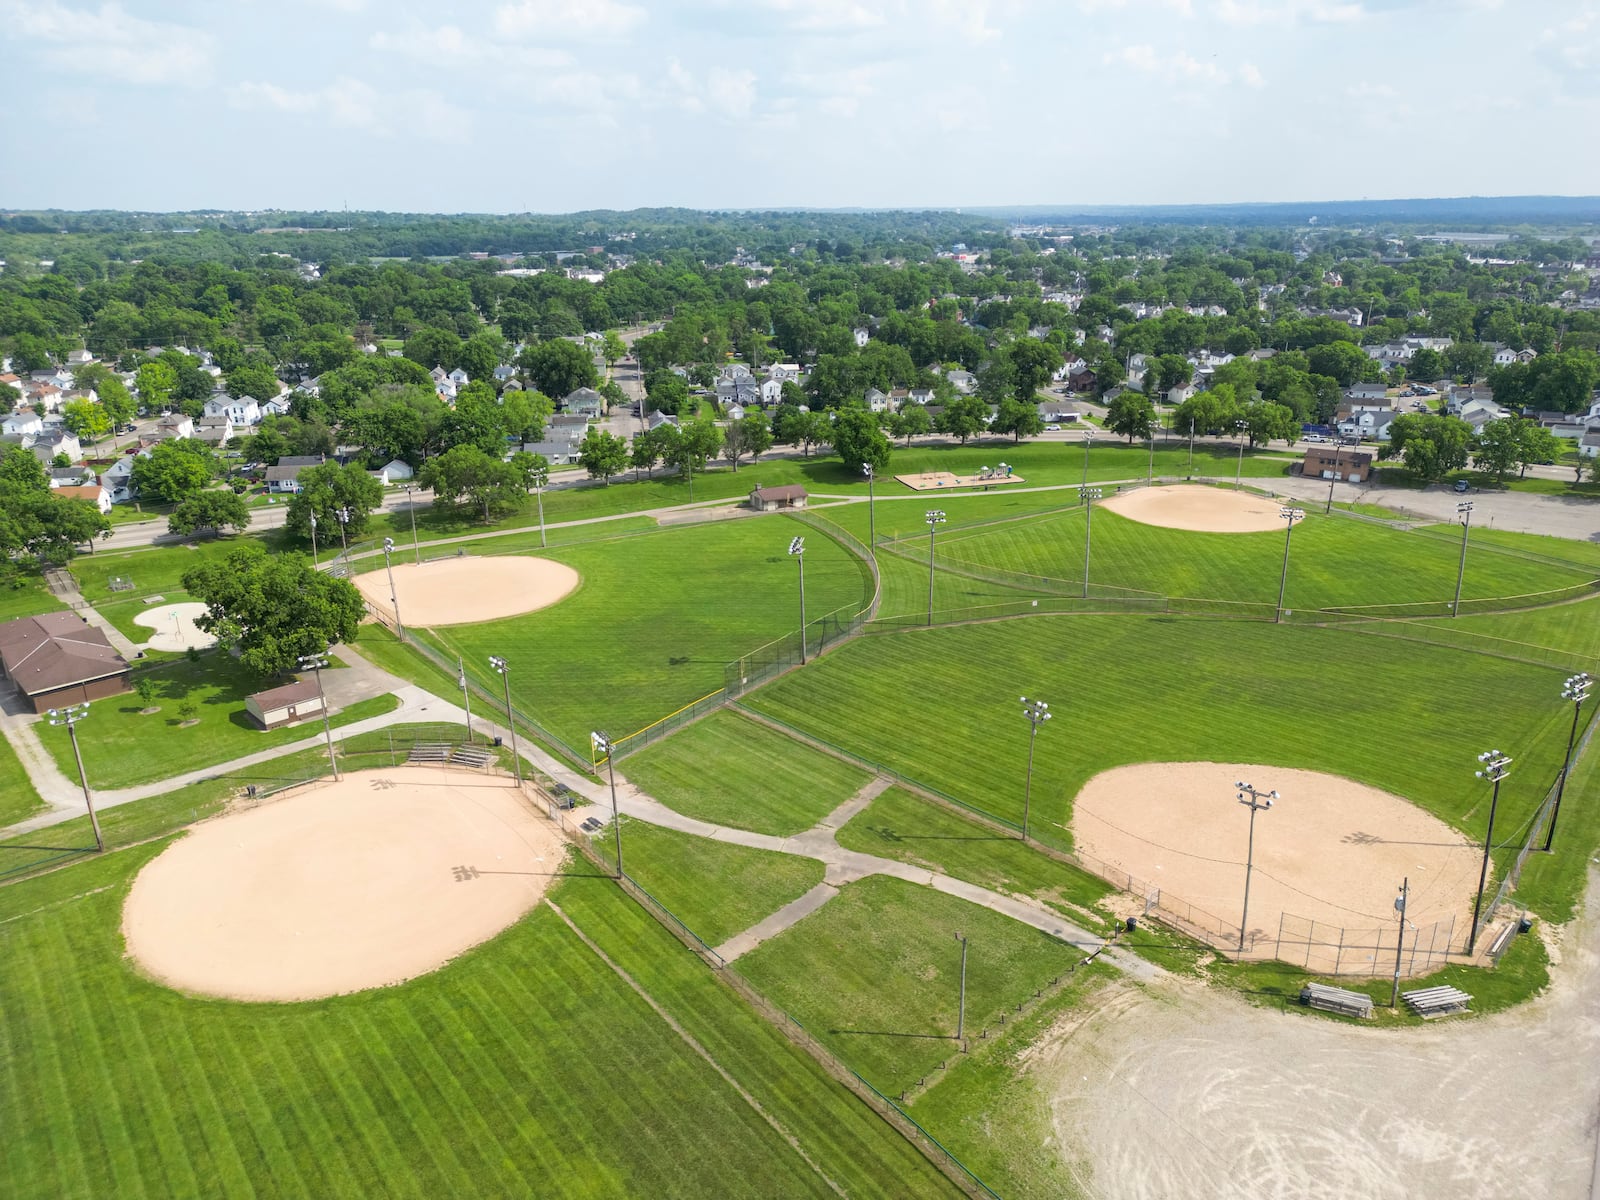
559,367
431,347
1426,365
748,435
1431,446
1020,418
691,446
85,419
173,471
1536,447
1495,449
912,421
1559,382
1344,361
1265,422
479,355
1467,360
1129,415
603,454
478,419
274,608
8,398
646,451
532,470
155,381
253,377
667,392
21,472
1032,364
963,416
212,511
525,414
612,349
1167,371
327,489
860,440
465,474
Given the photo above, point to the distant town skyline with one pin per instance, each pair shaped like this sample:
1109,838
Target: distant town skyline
561,105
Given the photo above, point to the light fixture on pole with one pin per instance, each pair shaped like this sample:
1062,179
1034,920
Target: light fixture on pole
499,664
1290,517
394,597
602,745
1400,903
411,506
1150,472
1238,476
872,521
797,551
540,476
1464,511
1338,453
343,514
1088,440
1255,801
313,518
935,518
466,693
1191,445
1037,712
315,663
961,1004
1496,767
1088,496
70,716
1575,689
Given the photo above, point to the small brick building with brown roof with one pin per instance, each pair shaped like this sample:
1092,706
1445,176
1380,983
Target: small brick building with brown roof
58,659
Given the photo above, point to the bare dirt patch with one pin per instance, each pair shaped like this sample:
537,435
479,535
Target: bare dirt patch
1196,508
173,627
933,481
371,881
459,591
1330,850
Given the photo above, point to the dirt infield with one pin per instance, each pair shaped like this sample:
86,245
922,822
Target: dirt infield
933,481
172,627
1330,850
376,879
1196,508
459,591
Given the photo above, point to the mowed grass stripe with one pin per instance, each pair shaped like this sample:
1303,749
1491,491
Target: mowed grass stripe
308,1125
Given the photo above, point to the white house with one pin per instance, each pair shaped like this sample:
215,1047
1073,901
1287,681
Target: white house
771,391
877,401
278,406
394,471
782,371
1368,423
861,336
22,423
118,477
175,425
1589,445
1180,393
78,358
1504,356
96,493
53,443
240,412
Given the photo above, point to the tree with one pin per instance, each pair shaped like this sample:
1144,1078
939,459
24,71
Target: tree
603,454
1426,365
429,347
963,416
155,381
1495,450
1432,446
1032,364
1344,361
174,471
1467,360
253,377
668,393
1537,446
693,447
274,608
748,435
86,419
912,421
1561,382
479,355
210,510
611,392
1166,371
532,470
466,474
559,367
646,452
325,491
525,414
1265,422
612,348
1129,415
1020,418
860,440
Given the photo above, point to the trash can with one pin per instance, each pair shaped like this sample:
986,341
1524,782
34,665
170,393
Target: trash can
496,741
1132,923
1525,924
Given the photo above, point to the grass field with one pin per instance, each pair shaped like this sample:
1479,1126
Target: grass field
123,747
18,800
875,974
730,770
1402,716
525,1067
655,621
716,889
26,596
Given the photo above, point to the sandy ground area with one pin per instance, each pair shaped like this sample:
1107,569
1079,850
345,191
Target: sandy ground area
1177,1090
1330,851
173,627
1202,509
932,481
376,879
458,591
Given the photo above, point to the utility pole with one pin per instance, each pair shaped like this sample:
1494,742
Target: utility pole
1256,801
1575,689
315,662
602,745
70,716
1291,516
1399,942
872,522
1464,510
961,1005
1088,496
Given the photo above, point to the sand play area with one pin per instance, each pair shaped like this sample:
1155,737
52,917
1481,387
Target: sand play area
459,591
172,627
1329,850
370,881
1201,509
933,481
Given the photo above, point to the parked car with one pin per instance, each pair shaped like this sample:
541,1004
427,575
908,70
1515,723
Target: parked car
1463,486
1052,429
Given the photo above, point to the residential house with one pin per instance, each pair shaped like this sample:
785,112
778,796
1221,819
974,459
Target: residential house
658,418
1368,423
783,371
734,412
861,336
95,493
1350,463
46,397
503,374
117,479
743,390
920,395
396,470
735,371
877,401
1367,391
284,479
1504,356
62,477
460,378
54,443
79,358
175,425
58,659
1082,381
241,411
1180,393
1589,445
772,391
278,406
215,432
557,452
585,402
22,423
964,382
446,391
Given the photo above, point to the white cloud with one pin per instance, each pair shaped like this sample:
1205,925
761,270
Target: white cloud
825,16
1184,8
731,92
353,104
560,20
838,93
1286,12
1576,41
448,43
111,44
1179,67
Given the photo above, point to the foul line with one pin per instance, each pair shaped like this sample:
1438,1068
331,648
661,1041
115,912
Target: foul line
694,1045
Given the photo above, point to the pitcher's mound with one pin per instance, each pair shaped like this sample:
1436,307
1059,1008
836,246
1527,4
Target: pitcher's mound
1200,509
358,884
459,591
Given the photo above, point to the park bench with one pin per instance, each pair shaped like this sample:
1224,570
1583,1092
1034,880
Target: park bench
1336,1000
1429,1003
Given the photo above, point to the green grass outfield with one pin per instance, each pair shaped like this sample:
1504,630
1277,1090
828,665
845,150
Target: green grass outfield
526,1067
18,799
730,770
26,596
655,621
940,706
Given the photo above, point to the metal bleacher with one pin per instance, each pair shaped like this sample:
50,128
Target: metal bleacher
1336,1000
1429,1003
450,754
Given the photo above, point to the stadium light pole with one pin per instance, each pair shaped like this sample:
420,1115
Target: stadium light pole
797,551
1255,801
1088,440
1575,689
935,518
1150,473
70,716
1088,496
411,505
342,513
466,695
961,1004
602,745
313,539
1238,474
394,596
541,477
499,664
1464,511
1191,445
1400,902
1338,453
1496,767
315,663
1290,517
1037,712
872,522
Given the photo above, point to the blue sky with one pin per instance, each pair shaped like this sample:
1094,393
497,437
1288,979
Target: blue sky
556,105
